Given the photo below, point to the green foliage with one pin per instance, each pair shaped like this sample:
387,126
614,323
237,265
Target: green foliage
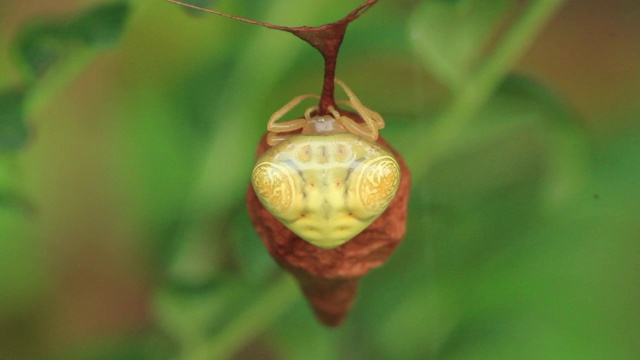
47,52
13,125
22,276
44,44
41,47
467,26
200,3
103,25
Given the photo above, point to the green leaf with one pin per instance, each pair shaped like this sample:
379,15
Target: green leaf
13,128
124,346
565,142
103,25
200,3
449,36
39,47
22,267
42,45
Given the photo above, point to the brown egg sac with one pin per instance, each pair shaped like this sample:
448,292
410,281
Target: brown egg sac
329,277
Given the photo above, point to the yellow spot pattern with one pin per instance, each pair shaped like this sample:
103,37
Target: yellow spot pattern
274,186
378,182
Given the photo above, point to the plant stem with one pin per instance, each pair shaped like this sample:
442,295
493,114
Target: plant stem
251,322
327,98
475,93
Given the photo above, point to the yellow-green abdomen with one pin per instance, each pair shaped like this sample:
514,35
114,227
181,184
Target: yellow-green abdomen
326,188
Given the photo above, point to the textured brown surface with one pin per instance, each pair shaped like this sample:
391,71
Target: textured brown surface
329,278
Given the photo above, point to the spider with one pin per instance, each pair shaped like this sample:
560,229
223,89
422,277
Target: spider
330,182
332,123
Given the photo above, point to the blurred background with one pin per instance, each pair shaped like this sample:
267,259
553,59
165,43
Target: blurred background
123,229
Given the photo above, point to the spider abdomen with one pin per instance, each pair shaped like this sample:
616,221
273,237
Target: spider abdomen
326,188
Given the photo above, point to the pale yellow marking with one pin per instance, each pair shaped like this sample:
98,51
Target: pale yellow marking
274,185
377,182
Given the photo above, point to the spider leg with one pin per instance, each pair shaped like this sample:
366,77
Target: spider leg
370,126
378,121
336,115
307,113
357,129
288,125
371,118
274,138
275,128
352,126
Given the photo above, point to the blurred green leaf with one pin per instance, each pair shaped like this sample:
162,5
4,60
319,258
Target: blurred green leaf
42,45
567,159
11,200
471,210
298,336
22,263
215,323
189,317
13,128
120,347
253,259
201,3
103,25
449,36
39,47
